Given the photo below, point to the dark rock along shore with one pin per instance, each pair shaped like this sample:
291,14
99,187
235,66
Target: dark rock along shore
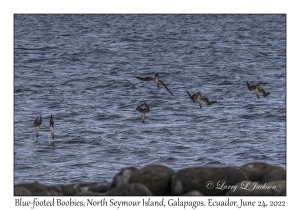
251,179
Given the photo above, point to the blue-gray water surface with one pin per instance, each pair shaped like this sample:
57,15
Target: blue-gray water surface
82,69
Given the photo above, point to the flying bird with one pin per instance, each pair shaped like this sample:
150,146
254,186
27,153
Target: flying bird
37,123
200,100
52,127
143,111
192,97
257,89
157,80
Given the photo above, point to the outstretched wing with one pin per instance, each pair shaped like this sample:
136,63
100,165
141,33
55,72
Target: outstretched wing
205,100
146,78
212,102
51,121
147,108
251,87
139,107
189,94
193,97
208,102
35,121
263,92
166,87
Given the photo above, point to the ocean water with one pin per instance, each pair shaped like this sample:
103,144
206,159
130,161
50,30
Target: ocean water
82,69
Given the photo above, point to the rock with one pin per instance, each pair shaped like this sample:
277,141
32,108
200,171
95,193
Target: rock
193,193
273,175
89,193
93,188
205,179
55,190
21,191
55,193
123,176
157,178
83,187
278,187
68,190
129,190
42,193
249,188
34,187
281,193
100,187
256,170
160,180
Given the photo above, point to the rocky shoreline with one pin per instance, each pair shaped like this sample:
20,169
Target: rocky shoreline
251,179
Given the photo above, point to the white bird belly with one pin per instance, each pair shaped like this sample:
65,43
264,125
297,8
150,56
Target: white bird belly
52,131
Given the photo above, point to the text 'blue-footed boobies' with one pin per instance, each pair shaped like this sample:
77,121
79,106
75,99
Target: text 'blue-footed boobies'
143,111
157,80
257,89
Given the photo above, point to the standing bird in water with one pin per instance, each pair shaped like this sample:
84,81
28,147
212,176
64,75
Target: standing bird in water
143,111
157,80
37,123
257,89
200,100
52,127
